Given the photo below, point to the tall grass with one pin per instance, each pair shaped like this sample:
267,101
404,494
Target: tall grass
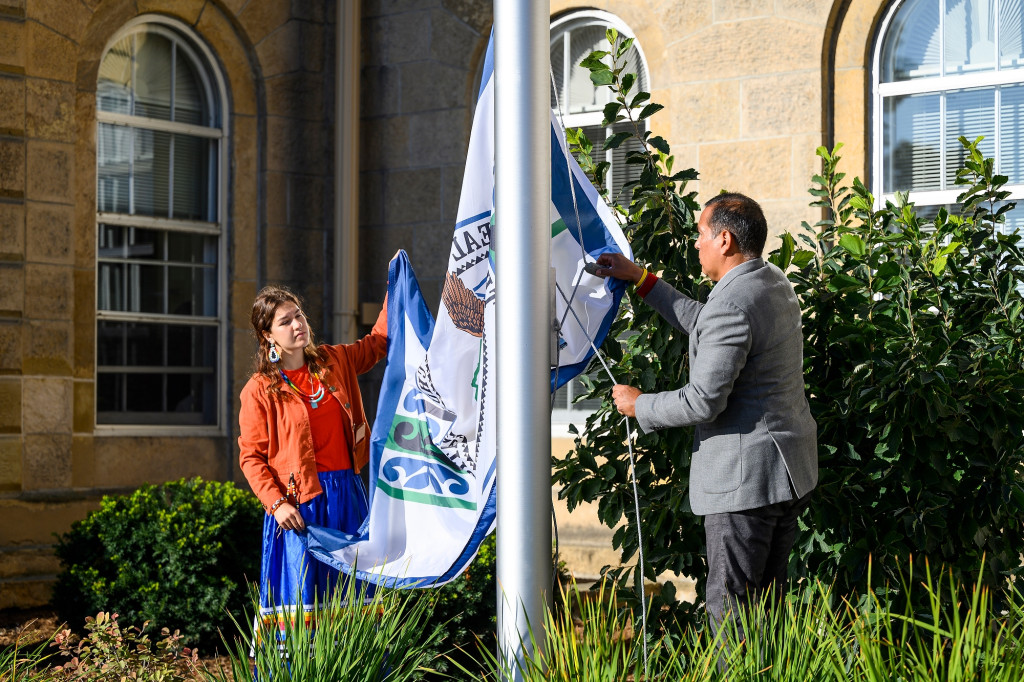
965,632
24,664
352,637
964,635
810,635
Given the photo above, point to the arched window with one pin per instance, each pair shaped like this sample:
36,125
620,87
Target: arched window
573,37
160,239
946,68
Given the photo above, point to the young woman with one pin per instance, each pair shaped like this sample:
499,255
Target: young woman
303,438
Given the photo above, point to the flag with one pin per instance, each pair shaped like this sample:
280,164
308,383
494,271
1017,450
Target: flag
432,449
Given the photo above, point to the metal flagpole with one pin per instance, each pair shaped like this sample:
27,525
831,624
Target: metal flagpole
523,320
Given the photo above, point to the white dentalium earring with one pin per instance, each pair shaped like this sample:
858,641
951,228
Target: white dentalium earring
273,355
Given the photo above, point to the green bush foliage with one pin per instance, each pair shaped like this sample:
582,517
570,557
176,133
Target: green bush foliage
109,652
661,228
914,369
914,360
177,555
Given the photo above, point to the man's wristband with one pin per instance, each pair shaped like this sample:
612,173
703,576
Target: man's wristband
277,503
646,283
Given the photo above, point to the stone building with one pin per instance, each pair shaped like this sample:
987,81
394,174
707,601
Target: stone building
160,160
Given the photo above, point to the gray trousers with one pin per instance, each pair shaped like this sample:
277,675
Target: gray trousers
748,552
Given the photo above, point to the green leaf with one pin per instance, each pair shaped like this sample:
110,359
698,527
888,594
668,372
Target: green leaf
617,139
593,61
650,110
783,256
802,257
624,47
660,144
611,110
602,77
841,282
688,174
938,265
639,99
853,243
627,83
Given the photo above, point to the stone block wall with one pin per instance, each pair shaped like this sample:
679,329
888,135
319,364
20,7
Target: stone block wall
421,63
276,58
40,289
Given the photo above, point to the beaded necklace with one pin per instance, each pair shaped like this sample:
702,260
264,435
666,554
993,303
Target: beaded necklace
315,397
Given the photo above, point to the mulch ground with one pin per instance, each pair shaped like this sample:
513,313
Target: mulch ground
27,627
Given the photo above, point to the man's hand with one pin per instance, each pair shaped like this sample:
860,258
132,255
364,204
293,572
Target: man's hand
625,399
289,518
618,266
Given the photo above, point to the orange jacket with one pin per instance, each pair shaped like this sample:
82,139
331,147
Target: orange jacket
275,443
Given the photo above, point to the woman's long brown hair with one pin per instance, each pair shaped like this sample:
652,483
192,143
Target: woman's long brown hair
264,308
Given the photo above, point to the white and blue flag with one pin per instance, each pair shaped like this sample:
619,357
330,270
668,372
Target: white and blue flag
432,451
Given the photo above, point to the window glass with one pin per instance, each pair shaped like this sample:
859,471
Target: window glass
151,165
189,104
912,45
969,37
970,113
1011,45
912,143
1011,138
114,168
939,79
114,86
158,250
153,76
194,161
582,95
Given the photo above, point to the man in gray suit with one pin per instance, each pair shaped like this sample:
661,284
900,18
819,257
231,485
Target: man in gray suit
755,452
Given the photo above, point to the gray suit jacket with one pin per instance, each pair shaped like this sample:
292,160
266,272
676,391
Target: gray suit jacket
756,443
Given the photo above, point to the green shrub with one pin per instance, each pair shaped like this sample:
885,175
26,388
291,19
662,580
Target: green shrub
914,368
177,555
914,362
661,230
110,652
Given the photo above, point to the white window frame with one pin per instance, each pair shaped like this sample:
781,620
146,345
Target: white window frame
933,84
212,80
562,417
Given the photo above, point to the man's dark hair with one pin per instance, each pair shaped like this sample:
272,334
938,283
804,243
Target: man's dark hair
744,219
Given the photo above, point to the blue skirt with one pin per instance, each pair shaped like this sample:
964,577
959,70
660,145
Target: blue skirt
290,576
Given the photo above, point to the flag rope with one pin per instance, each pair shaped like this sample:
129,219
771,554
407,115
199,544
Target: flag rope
636,490
597,353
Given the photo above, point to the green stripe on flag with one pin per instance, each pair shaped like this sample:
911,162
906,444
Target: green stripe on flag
425,498
417,442
558,227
